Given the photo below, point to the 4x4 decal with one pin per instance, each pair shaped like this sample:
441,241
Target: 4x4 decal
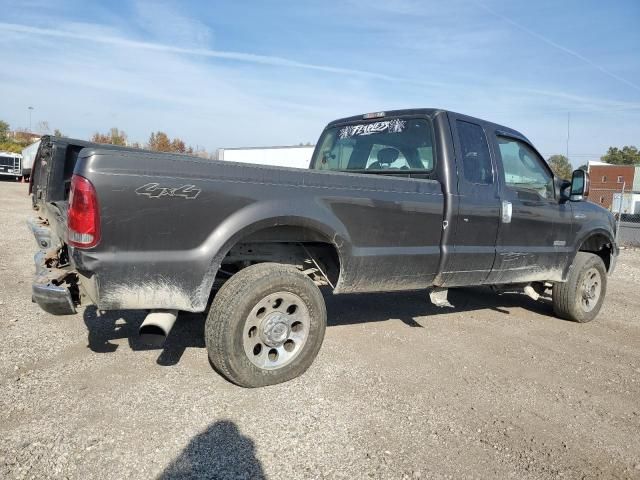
154,190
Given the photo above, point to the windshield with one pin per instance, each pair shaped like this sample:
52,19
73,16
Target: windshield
395,145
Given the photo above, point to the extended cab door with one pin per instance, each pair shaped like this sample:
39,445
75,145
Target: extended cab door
535,228
477,220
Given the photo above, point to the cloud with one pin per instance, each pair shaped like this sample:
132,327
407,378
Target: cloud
82,87
152,16
581,103
557,46
201,52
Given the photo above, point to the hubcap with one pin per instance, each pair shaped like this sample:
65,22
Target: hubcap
276,330
591,288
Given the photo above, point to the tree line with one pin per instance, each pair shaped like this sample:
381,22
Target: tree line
627,155
158,142
17,141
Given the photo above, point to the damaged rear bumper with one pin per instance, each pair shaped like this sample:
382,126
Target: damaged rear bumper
53,299
54,287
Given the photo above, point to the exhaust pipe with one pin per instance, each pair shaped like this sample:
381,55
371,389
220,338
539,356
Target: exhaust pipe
156,326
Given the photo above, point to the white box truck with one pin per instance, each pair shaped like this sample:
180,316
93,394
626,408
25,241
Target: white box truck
298,156
11,164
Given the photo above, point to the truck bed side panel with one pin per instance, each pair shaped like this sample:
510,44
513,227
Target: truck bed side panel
162,250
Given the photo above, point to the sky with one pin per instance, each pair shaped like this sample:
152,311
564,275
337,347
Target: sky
257,73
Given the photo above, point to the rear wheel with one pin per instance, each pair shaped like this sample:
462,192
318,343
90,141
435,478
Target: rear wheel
580,297
265,326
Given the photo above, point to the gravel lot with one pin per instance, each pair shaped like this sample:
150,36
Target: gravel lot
496,387
629,234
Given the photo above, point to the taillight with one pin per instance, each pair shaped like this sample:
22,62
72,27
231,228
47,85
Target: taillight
83,219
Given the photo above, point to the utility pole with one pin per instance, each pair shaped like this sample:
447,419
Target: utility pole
624,184
568,130
30,110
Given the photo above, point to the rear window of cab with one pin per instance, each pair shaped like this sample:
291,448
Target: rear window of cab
387,145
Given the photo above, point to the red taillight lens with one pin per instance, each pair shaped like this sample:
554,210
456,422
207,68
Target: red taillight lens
83,219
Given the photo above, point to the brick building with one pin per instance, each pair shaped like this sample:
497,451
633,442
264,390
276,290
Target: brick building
608,179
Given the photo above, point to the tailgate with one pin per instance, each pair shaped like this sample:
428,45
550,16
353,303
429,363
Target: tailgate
52,170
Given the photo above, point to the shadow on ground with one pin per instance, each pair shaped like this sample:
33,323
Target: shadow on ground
352,309
221,451
105,327
407,306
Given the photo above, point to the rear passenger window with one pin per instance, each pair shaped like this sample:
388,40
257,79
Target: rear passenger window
476,162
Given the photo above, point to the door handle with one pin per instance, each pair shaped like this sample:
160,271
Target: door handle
507,211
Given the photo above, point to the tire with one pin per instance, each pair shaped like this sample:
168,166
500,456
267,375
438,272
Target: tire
580,297
265,326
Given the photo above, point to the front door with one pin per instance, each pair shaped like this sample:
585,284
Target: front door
533,239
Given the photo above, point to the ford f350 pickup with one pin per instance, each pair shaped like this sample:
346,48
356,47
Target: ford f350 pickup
399,200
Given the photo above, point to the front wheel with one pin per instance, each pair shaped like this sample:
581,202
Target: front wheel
580,297
266,325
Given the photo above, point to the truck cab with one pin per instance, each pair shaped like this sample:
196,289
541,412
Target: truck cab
508,219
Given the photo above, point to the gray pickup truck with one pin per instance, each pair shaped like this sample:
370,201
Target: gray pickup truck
400,200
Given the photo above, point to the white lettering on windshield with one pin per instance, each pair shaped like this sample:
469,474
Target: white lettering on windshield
392,126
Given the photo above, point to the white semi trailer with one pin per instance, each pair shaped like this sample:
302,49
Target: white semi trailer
28,155
287,156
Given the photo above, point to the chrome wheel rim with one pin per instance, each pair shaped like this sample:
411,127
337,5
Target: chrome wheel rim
276,330
591,288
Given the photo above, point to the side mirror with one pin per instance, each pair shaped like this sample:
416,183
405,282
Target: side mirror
562,187
579,186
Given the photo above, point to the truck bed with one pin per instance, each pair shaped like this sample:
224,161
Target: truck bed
168,221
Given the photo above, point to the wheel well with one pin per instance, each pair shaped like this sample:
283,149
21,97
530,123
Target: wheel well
307,249
600,245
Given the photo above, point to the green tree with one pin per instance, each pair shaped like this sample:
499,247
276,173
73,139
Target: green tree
4,131
628,155
118,137
560,166
114,137
58,133
10,146
161,142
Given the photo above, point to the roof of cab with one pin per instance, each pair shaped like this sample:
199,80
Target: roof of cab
388,113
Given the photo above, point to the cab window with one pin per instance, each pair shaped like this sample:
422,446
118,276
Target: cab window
523,169
476,161
394,145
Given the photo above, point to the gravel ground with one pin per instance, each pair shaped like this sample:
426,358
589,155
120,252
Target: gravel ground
496,387
629,234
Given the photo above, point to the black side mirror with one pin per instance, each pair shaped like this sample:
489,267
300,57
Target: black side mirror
579,186
562,187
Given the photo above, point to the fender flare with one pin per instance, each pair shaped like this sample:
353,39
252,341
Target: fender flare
583,238
259,216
